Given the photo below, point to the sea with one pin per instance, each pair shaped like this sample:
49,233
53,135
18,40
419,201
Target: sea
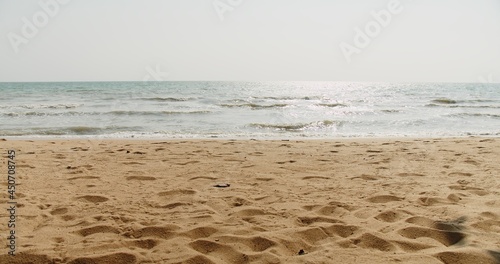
248,110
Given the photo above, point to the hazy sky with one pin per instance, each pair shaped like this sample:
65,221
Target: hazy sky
324,40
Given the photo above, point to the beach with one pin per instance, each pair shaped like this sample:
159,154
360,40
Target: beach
360,200
266,132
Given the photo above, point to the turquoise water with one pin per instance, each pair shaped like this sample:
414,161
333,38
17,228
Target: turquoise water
248,109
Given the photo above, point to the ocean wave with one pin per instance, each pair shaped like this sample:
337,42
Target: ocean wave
253,106
80,130
332,105
167,99
444,101
464,106
298,126
42,106
118,113
287,98
63,131
53,106
156,113
475,115
83,130
480,101
39,114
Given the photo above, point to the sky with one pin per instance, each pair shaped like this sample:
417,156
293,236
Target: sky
250,40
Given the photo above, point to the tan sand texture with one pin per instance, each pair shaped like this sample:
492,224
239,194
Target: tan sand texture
338,201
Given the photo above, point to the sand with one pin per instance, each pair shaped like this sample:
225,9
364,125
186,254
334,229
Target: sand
337,201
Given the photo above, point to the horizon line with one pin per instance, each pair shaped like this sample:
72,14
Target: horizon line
154,81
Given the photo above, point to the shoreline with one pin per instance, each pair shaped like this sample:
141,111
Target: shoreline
97,138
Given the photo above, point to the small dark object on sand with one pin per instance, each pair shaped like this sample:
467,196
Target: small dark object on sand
302,252
222,185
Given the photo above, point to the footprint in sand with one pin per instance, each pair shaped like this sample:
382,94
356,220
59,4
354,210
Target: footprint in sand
181,192
405,174
384,199
68,217
171,206
490,215
76,172
283,162
329,210
199,259
464,188
187,162
224,252
238,201
454,225
312,235
84,178
97,229
341,230
134,163
79,149
250,212
59,211
58,240
141,178
25,166
374,151
473,190
431,201
256,244
315,178
490,226
145,243
22,258
202,178
453,257
446,238
93,198
446,233
411,247
200,232
367,177
392,216
455,197
59,156
306,220
371,241
460,174
163,232
264,179
111,258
